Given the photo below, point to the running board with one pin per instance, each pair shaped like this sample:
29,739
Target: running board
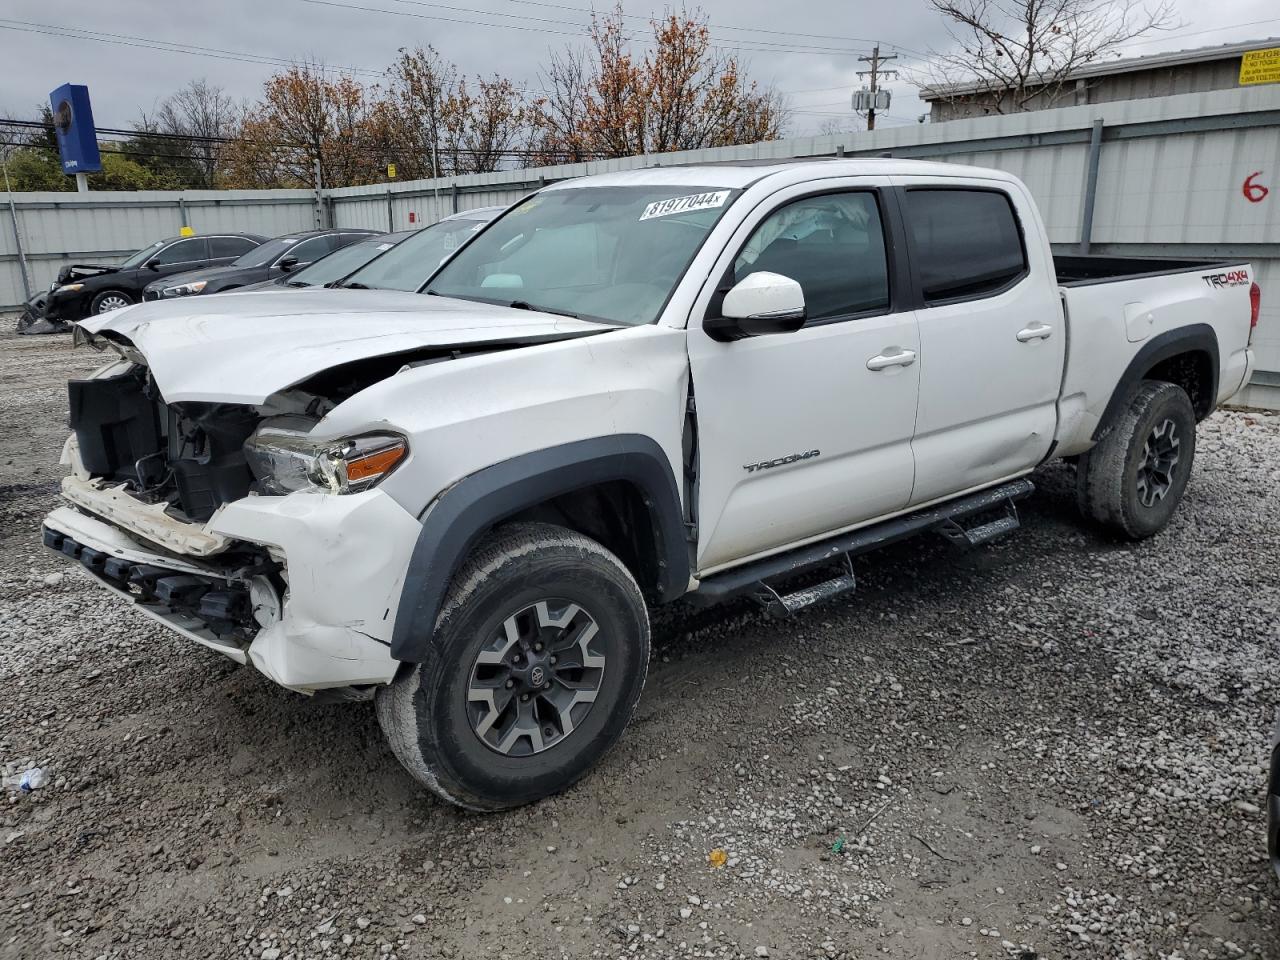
752,577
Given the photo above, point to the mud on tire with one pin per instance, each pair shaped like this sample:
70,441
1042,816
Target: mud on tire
469,722
1132,481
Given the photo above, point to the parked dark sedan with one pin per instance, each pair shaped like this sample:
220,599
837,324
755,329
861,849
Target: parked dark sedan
347,267
335,266
85,289
274,258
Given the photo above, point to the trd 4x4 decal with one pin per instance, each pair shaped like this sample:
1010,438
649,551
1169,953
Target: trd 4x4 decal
1233,278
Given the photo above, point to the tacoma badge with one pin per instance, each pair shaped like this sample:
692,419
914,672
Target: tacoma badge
781,461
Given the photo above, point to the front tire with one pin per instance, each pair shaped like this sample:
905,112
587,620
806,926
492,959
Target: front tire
1133,480
537,661
109,300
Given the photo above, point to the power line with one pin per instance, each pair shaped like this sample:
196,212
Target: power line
1199,33
722,26
759,46
166,46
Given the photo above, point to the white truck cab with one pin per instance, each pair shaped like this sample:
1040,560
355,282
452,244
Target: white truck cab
677,382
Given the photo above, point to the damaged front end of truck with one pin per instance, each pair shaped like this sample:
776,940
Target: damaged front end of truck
203,487
164,508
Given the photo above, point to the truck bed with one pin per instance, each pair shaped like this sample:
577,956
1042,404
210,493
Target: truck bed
1078,270
1118,309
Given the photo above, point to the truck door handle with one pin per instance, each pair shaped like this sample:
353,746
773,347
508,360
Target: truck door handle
1036,331
882,361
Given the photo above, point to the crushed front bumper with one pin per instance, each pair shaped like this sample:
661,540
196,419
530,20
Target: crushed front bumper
342,558
152,581
33,320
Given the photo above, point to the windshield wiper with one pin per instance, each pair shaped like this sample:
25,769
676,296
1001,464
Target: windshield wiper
352,286
297,283
526,305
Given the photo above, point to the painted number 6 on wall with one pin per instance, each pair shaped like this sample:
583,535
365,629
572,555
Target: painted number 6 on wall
1254,192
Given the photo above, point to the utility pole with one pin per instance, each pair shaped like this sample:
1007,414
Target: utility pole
875,73
319,194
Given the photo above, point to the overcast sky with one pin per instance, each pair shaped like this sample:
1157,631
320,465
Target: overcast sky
807,49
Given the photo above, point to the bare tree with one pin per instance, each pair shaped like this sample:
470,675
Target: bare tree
205,113
558,118
495,121
1019,51
185,135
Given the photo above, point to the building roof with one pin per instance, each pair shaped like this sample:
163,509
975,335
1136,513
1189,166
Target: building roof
1153,61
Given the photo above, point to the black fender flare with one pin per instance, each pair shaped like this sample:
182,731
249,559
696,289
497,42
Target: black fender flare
1195,336
461,515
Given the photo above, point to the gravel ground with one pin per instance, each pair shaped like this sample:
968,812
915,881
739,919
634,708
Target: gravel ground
1049,747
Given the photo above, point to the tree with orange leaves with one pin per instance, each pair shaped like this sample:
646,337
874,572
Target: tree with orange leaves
682,95
442,125
308,114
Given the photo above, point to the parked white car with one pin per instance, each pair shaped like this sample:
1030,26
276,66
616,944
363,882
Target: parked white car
677,382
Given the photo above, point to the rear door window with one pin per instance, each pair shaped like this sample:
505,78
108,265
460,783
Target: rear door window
184,251
967,243
223,247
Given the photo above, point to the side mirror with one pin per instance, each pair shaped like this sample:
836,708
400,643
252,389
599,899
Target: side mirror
759,304
153,266
288,263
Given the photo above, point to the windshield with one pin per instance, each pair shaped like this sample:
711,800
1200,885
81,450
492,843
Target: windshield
261,256
137,259
605,253
340,263
408,265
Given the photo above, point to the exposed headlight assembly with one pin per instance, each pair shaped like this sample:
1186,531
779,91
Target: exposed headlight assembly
184,289
285,460
69,288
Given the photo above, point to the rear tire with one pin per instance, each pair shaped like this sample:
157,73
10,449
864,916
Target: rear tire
537,661
1132,481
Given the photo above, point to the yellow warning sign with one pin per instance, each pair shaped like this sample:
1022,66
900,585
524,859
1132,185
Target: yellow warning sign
186,232
391,170
1260,66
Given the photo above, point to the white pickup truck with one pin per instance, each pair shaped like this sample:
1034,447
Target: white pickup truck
678,382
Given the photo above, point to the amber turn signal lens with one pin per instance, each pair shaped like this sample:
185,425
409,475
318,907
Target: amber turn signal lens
375,464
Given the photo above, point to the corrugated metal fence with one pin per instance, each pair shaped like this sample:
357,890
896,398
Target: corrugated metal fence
105,227
1170,179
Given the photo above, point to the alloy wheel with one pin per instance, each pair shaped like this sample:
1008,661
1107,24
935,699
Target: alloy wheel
1159,458
113,302
536,678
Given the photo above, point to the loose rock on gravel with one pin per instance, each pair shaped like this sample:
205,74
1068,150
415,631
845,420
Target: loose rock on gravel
1054,746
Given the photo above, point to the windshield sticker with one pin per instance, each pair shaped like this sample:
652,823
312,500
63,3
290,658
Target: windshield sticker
696,201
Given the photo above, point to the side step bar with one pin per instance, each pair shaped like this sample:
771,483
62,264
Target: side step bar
966,537
944,519
782,605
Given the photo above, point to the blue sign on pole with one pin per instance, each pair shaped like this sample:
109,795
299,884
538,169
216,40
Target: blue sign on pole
73,123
